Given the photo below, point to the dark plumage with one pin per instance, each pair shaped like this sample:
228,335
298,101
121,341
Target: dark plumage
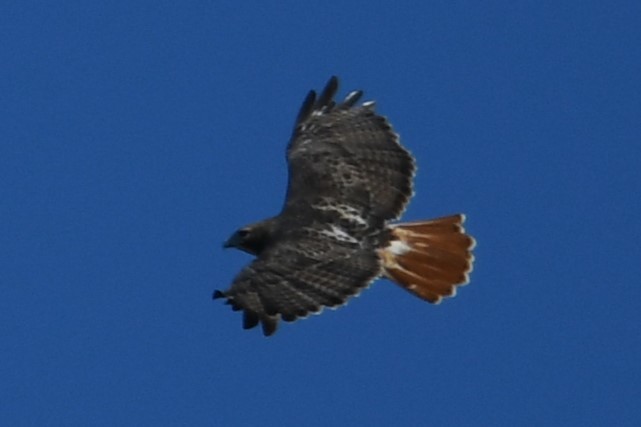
348,177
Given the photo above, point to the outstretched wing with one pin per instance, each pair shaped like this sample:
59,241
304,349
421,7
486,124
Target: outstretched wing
310,268
342,154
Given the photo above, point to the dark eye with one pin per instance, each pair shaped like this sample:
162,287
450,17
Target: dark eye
243,233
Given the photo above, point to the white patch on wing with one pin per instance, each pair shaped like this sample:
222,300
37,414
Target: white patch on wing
319,111
354,218
398,247
303,141
339,235
347,212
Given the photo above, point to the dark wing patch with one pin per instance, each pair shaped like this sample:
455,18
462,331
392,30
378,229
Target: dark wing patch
306,271
349,154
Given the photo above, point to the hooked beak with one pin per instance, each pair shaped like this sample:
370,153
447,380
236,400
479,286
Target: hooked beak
232,242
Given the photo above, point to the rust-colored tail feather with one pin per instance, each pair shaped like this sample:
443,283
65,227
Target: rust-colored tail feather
429,258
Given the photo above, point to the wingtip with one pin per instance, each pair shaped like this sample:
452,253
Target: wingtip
307,107
351,99
218,294
327,95
269,325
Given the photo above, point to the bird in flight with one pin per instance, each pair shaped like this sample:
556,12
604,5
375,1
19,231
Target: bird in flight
349,179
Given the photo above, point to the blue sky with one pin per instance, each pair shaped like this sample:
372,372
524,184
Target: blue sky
136,136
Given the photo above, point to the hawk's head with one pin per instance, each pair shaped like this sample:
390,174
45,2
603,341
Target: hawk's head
251,238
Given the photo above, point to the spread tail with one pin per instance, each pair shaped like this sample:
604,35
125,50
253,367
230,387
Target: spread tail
429,258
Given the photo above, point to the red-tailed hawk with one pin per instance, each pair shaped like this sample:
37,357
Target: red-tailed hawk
349,176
